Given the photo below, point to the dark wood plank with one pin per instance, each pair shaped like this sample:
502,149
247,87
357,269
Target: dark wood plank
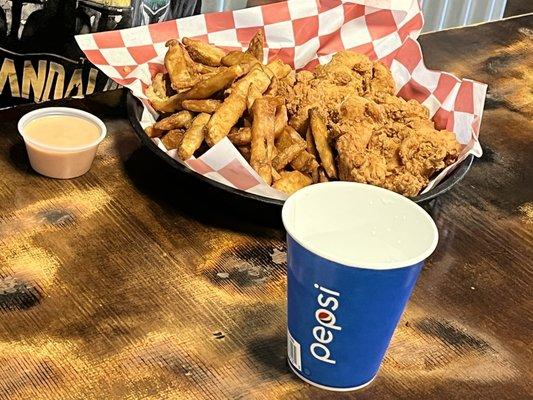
518,7
133,283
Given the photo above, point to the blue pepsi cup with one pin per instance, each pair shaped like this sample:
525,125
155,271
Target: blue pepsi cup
354,254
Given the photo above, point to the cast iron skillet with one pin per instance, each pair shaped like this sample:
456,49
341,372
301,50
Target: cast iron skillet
135,108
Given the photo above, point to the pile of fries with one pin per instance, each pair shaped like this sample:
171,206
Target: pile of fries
207,95
341,121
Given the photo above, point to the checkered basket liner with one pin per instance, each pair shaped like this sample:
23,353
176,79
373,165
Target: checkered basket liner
302,33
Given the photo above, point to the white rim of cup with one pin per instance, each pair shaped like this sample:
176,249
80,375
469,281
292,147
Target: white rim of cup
351,263
42,112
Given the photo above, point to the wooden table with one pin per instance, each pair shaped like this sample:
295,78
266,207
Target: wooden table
130,283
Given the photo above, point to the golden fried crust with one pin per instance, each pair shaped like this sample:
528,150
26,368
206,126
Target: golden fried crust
291,181
382,81
204,53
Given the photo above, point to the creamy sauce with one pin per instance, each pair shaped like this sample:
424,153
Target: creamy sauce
61,131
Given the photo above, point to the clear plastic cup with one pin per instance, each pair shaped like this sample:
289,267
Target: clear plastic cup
61,162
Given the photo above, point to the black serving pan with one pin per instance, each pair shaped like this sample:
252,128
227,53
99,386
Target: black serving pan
135,109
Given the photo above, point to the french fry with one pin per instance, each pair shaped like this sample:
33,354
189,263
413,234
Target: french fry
290,144
311,147
281,120
257,77
177,66
291,181
172,139
240,136
204,53
300,122
262,138
238,57
225,117
175,121
253,94
256,45
159,85
279,68
215,83
320,135
163,104
153,132
193,137
273,87
208,106
305,162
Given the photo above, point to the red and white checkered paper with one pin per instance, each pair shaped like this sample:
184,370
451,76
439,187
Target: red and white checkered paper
302,33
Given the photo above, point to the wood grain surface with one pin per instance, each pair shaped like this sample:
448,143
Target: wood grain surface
133,283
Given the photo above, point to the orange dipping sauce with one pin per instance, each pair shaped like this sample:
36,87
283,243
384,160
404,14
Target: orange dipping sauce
61,141
62,131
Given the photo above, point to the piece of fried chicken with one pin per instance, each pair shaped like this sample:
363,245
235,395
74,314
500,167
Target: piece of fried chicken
380,139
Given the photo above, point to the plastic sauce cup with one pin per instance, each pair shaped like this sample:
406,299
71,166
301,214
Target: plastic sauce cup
354,254
61,162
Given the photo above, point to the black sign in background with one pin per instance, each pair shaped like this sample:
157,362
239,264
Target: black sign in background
39,57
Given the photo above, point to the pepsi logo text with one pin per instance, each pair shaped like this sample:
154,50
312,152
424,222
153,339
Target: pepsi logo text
323,333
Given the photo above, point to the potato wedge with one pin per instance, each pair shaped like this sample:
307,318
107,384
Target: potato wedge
238,57
178,67
273,87
193,137
175,121
240,136
257,77
173,138
153,132
305,162
281,120
311,148
264,112
204,53
256,45
208,106
225,117
320,135
215,83
291,181
300,122
279,68
290,144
